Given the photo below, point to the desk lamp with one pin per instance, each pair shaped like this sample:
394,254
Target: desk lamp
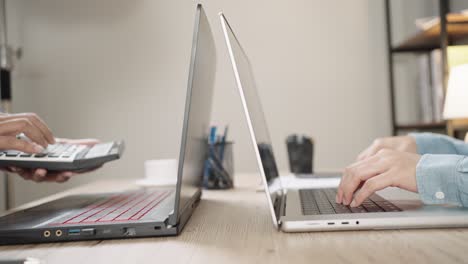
456,99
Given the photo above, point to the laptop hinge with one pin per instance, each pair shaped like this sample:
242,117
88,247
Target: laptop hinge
283,204
280,205
175,217
172,219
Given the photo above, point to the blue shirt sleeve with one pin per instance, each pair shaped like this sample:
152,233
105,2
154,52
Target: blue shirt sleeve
438,179
442,172
429,143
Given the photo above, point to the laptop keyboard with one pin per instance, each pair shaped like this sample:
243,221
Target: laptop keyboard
132,206
322,201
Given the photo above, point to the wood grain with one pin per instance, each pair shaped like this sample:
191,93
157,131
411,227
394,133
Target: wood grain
235,227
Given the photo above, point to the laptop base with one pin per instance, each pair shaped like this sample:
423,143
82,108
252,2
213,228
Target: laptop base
114,231
413,214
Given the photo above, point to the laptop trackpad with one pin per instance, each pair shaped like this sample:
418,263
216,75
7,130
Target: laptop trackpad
43,213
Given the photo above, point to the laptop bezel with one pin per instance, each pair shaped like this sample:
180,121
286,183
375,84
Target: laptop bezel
181,215
276,209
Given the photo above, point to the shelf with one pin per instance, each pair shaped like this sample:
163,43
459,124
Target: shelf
429,126
418,49
429,39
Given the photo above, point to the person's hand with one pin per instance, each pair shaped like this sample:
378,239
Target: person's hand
401,143
30,125
384,169
42,175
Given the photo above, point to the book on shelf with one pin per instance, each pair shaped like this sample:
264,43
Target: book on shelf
424,85
426,23
437,85
430,81
431,91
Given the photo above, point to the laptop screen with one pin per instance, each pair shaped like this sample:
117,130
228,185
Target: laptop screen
197,112
255,116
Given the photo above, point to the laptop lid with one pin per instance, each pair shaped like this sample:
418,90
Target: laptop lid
196,116
255,120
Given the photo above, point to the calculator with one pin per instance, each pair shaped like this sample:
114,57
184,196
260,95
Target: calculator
64,157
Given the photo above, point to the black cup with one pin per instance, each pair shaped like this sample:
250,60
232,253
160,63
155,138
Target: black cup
301,154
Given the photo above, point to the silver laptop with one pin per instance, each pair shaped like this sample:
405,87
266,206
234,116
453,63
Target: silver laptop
143,212
300,210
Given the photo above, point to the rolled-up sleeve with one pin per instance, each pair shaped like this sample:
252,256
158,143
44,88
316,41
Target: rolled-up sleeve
429,143
443,179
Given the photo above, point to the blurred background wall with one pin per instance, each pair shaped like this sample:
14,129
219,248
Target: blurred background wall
116,69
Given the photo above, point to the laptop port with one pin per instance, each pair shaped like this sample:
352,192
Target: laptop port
157,228
88,231
129,231
47,233
74,232
58,233
344,223
331,223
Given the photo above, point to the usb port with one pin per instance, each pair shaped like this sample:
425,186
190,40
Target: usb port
331,223
88,231
74,232
344,223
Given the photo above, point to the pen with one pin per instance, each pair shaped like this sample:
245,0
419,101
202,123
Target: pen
223,144
207,169
212,138
221,173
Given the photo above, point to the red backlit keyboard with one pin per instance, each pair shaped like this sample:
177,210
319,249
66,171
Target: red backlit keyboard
132,206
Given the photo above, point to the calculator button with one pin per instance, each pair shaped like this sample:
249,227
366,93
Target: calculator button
12,153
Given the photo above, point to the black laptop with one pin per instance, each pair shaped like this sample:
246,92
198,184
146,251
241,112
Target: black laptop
138,213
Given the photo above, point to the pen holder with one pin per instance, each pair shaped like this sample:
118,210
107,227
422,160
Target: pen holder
218,169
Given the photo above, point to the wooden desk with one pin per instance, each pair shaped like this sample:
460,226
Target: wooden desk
235,227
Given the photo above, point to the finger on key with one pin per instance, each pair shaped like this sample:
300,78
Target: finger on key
36,121
371,186
11,142
17,126
358,173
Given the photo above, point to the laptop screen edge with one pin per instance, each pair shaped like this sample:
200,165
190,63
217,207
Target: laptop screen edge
225,26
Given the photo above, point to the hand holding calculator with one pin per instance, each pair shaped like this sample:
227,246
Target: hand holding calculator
64,156
28,147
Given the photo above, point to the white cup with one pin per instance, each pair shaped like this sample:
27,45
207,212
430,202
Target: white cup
161,172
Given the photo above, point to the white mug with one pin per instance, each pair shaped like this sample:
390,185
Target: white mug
160,173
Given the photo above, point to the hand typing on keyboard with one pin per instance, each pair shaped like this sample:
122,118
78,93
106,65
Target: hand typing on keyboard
39,137
385,168
400,143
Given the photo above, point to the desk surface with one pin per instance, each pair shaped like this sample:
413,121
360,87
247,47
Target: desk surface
235,227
